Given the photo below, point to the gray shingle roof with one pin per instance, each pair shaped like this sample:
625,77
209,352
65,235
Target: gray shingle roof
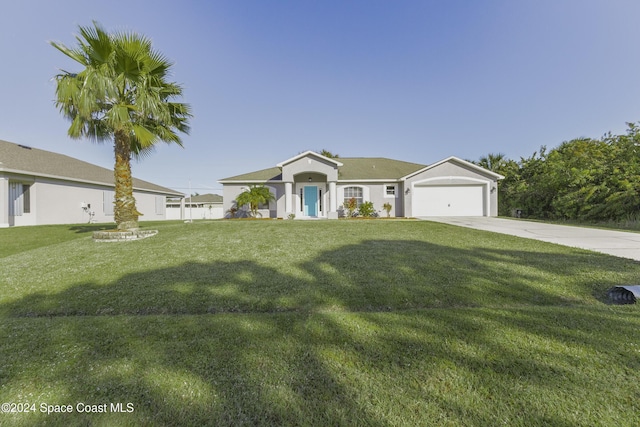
354,168
271,174
33,161
364,168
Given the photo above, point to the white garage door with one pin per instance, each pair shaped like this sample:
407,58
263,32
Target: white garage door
448,200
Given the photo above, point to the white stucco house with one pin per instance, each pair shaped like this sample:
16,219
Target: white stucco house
310,185
202,206
41,187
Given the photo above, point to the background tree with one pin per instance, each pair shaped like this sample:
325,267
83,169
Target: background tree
254,196
123,95
493,162
329,154
583,179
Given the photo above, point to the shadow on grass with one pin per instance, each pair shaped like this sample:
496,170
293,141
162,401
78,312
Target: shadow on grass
372,276
378,333
90,228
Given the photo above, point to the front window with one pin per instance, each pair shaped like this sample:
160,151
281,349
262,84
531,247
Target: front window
390,191
353,193
108,197
26,198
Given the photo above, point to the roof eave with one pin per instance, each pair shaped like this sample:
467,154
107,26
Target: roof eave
249,181
369,180
84,181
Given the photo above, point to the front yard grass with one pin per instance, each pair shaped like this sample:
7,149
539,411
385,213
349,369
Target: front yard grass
315,323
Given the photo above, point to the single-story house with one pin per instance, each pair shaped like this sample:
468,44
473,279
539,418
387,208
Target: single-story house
310,185
202,206
42,187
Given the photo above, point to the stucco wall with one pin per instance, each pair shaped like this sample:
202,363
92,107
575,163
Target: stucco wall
60,202
376,192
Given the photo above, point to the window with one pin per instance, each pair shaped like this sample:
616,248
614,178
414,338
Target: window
160,204
15,199
26,198
390,190
108,199
19,199
353,193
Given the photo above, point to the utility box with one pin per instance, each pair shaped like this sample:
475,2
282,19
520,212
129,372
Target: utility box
624,294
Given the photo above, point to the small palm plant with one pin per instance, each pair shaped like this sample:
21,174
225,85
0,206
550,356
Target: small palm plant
387,207
254,196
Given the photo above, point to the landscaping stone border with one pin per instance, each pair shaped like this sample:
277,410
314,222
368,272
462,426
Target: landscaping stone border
122,236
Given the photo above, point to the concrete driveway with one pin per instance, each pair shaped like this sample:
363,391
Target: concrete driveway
617,243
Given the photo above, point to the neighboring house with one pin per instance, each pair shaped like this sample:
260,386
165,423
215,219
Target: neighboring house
204,206
310,185
41,187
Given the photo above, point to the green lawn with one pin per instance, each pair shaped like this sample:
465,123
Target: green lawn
380,323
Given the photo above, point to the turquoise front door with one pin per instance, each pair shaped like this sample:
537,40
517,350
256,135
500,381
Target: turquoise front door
311,201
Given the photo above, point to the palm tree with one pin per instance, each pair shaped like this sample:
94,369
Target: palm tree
254,196
121,95
493,162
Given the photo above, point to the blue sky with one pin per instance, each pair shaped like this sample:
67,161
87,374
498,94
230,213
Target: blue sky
409,80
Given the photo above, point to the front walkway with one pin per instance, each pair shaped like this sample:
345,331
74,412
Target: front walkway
617,243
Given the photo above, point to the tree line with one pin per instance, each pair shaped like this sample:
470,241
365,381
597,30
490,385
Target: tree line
583,179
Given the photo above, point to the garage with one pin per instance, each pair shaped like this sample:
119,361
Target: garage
449,200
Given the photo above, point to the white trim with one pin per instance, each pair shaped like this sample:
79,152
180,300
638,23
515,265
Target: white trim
288,198
365,193
395,194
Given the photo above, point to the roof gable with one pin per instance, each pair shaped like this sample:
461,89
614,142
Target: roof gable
453,159
309,153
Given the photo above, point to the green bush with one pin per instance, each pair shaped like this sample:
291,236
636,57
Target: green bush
366,209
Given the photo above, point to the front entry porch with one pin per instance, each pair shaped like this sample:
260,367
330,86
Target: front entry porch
313,198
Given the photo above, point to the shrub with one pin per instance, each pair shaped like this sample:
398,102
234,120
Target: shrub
351,205
366,209
387,207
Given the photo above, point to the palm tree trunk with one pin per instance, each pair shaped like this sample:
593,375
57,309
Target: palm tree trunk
125,212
